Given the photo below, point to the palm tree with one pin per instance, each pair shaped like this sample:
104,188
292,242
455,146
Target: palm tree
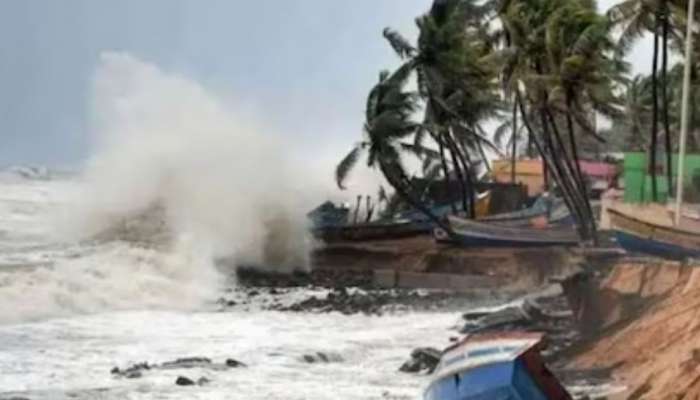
556,68
662,18
388,123
581,75
457,85
636,117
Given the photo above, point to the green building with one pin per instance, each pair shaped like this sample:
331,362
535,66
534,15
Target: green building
638,180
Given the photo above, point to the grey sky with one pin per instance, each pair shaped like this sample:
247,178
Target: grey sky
307,63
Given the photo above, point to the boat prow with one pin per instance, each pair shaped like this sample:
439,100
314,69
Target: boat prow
503,366
637,234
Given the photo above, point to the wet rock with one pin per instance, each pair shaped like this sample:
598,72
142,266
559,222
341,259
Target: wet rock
424,359
320,357
133,375
132,372
202,381
184,381
187,362
230,362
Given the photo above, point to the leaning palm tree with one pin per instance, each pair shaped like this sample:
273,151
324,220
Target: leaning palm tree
388,124
456,84
546,67
582,77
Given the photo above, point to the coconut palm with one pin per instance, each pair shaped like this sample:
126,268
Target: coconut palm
457,84
662,18
581,76
388,123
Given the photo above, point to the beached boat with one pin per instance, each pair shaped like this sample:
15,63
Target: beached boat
543,213
495,366
654,233
483,203
409,224
480,234
372,231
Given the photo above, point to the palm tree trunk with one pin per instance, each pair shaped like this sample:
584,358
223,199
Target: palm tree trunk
466,161
567,172
458,171
664,99
581,182
655,110
405,194
514,139
546,160
445,170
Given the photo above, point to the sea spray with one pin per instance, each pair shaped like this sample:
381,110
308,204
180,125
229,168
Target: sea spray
222,178
176,179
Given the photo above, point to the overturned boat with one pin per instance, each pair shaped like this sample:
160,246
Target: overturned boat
495,366
480,234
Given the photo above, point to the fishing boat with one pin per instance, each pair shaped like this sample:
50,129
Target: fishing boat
495,366
545,212
408,224
653,232
373,231
480,234
483,203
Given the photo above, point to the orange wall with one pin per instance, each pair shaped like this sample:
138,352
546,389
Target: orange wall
527,172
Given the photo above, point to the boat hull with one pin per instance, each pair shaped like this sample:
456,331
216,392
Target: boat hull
503,381
372,231
478,234
503,366
638,236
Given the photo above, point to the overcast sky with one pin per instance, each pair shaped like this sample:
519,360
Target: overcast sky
306,63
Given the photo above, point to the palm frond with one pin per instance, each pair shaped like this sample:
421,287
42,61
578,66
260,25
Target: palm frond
400,45
343,168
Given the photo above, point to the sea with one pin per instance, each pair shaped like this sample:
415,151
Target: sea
71,310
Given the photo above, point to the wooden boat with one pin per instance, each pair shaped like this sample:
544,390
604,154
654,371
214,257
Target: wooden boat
373,231
498,366
479,234
654,233
542,214
483,203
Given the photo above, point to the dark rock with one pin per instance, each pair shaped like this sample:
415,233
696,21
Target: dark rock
253,293
184,381
320,357
187,362
309,359
202,381
230,362
133,374
422,359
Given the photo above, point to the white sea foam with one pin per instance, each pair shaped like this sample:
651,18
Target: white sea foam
223,181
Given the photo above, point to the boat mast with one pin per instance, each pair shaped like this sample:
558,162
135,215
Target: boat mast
684,109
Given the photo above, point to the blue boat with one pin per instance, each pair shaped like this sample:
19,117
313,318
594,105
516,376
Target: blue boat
479,234
639,236
495,366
